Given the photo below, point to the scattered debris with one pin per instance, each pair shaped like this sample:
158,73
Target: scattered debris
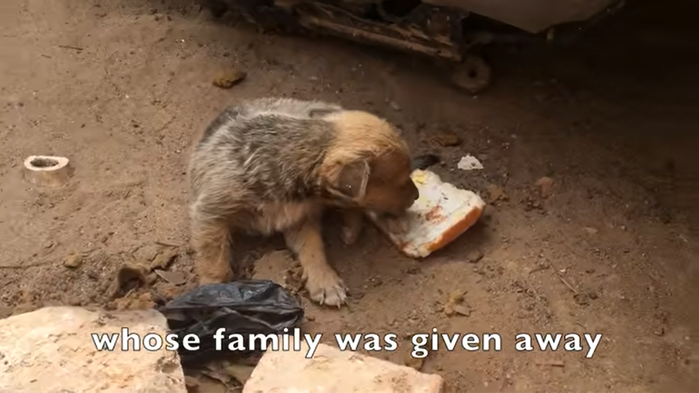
455,304
23,265
545,185
566,283
226,80
583,298
415,363
495,193
73,260
395,106
532,204
163,259
475,256
462,309
128,278
166,244
468,163
590,230
660,331
77,48
446,138
175,278
414,270
552,364
294,281
540,267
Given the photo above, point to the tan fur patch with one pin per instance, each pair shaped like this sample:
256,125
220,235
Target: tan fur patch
360,133
363,136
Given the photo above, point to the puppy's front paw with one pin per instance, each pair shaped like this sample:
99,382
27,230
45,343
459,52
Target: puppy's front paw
326,288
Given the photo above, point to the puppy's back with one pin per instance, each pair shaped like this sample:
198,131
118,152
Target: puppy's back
270,155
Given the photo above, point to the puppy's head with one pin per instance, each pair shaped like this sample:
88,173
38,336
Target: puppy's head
368,165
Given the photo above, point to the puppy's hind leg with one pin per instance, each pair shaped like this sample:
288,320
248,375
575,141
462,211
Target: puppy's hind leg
322,282
211,242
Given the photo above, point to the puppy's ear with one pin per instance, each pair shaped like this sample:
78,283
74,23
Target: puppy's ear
350,180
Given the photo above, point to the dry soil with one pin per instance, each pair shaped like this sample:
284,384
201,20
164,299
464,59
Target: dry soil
123,88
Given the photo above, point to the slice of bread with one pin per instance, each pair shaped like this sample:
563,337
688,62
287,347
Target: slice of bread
441,214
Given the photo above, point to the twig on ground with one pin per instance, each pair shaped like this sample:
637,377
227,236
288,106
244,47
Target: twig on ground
23,265
71,47
563,280
165,244
552,364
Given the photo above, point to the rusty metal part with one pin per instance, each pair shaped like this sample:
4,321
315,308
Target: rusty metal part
437,40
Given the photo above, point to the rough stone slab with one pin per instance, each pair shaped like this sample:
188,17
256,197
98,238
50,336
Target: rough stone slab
51,350
333,371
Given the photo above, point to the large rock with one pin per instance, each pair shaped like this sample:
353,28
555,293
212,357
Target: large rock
332,370
51,350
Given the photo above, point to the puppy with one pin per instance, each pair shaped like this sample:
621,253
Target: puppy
274,164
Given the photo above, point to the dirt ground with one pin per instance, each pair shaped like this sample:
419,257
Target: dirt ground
123,88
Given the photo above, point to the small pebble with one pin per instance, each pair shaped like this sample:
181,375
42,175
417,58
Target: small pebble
415,363
73,260
545,185
226,80
446,138
475,256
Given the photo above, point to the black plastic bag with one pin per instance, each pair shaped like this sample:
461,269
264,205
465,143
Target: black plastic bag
242,307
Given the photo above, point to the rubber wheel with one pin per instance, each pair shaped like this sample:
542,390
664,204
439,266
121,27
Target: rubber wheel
472,75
